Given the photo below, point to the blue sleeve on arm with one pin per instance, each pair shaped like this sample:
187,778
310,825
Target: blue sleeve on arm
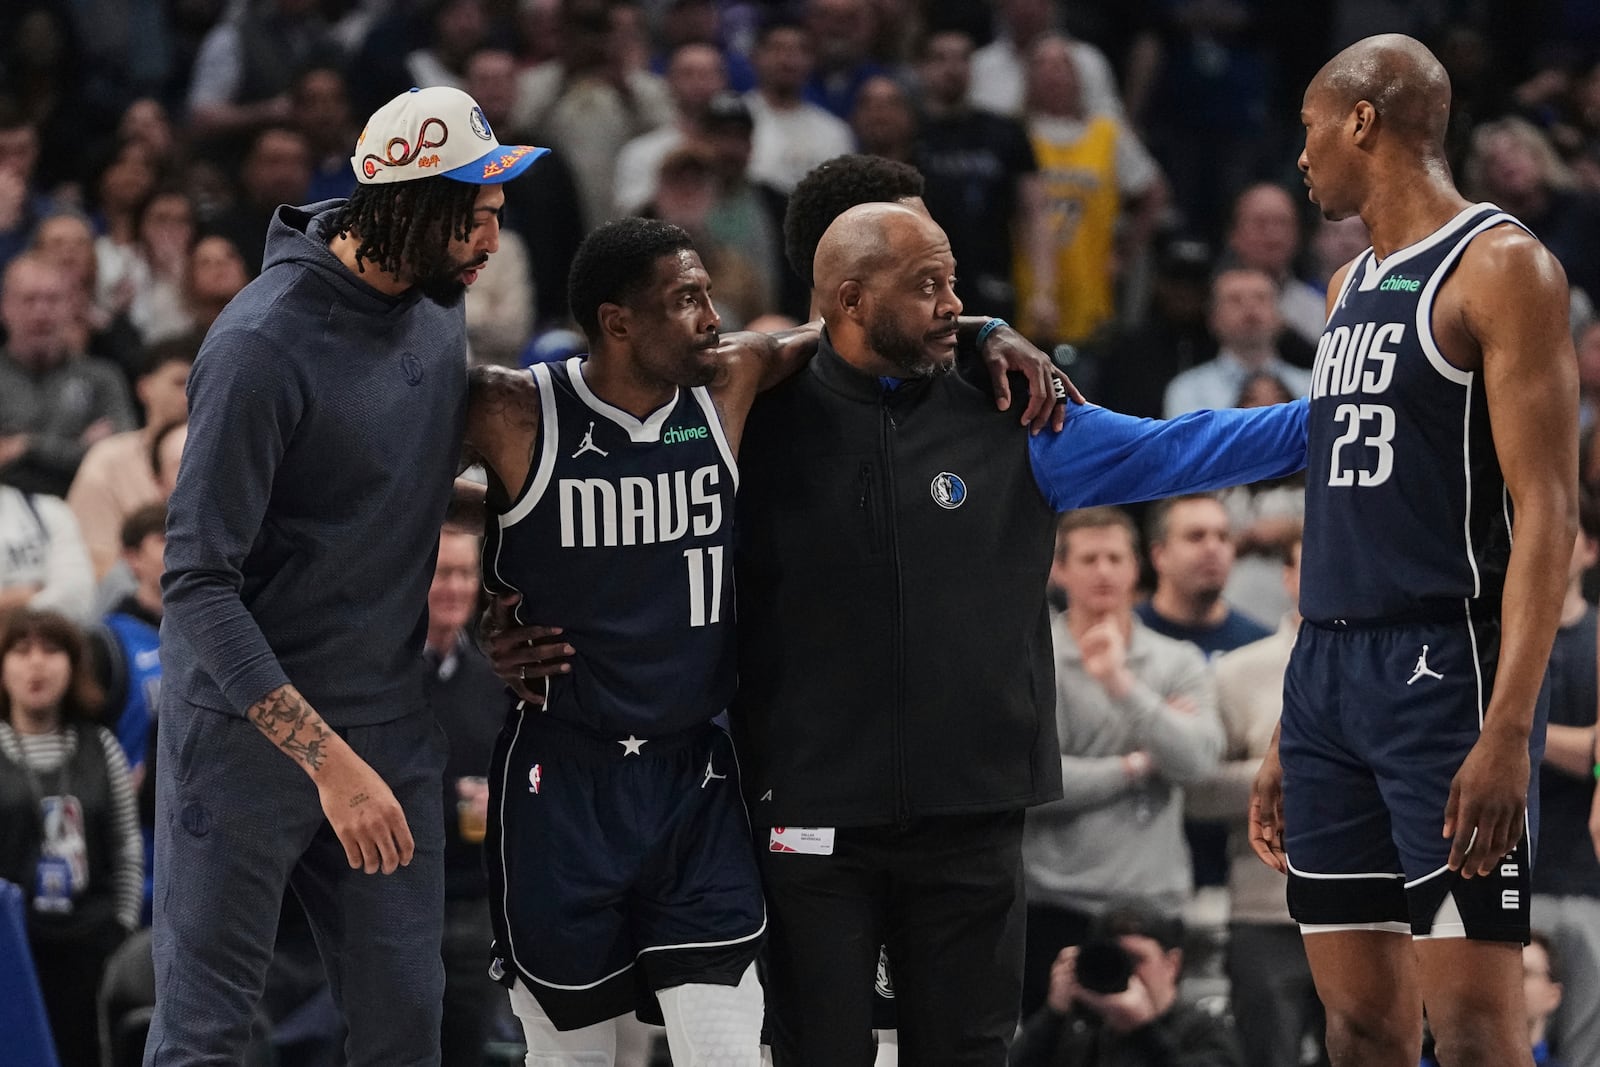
243,406
1102,457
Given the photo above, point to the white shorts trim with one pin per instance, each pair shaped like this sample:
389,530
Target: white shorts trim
1334,928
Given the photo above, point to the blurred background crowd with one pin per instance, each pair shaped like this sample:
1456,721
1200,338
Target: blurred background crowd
1118,179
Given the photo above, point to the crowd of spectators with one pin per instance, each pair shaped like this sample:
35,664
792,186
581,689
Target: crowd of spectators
1118,179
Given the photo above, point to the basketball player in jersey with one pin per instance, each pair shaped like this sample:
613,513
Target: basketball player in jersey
1440,508
619,851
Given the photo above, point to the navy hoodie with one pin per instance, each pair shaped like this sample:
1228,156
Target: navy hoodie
325,425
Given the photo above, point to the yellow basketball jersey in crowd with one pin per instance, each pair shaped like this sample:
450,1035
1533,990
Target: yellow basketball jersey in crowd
1081,207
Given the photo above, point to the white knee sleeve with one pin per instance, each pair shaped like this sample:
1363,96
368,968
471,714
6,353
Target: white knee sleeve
888,1048
714,1025
588,1046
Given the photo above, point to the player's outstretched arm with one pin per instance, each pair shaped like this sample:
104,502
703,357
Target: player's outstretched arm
1103,457
1514,304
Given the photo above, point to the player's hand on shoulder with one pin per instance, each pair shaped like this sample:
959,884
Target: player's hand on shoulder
522,655
1266,812
1484,815
364,814
1005,351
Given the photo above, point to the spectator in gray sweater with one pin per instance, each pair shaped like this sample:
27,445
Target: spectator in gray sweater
54,402
1136,714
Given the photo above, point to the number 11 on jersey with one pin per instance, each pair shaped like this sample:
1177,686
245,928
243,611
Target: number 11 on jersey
699,606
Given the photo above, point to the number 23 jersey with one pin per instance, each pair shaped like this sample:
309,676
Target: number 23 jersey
623,537
1407,512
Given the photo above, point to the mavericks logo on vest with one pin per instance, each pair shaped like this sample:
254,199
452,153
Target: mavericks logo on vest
948,490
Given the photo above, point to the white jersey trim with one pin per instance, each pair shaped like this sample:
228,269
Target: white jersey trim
1430,347
708,407
1400,255
645,431
1466,520
545,464
1358,267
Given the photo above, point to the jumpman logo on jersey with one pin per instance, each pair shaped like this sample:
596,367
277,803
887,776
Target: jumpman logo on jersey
1422,670
587,444
710,774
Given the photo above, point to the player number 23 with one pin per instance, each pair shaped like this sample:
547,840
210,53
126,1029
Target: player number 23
701,606
1376,422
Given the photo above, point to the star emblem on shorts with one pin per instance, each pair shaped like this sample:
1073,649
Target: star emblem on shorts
631,746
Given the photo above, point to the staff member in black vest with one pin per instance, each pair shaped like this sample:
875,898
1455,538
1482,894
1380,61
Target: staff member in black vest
895,713
69,831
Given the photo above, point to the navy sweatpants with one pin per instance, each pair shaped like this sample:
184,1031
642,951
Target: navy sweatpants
237,822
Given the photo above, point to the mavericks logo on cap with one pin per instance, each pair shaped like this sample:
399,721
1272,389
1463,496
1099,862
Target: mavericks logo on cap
480,124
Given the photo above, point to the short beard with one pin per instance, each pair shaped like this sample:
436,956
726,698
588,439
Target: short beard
446,291
444,285
906,353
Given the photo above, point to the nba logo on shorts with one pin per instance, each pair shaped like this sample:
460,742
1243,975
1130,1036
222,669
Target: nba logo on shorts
948,490
533,778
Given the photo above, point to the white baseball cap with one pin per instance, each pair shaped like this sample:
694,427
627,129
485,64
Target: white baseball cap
438,130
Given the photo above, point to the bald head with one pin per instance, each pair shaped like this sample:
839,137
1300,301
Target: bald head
868,239
886,285
1404,82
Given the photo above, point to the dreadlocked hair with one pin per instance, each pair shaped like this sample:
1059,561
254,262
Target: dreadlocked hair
408,224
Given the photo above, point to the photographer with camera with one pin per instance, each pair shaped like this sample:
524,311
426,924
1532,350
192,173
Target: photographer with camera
1113,1002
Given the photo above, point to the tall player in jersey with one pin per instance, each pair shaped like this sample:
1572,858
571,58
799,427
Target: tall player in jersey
1440,506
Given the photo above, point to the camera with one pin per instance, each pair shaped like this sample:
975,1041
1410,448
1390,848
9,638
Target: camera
1104,966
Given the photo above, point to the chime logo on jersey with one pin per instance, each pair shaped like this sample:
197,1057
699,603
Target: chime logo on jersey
948,490
534,775
640,511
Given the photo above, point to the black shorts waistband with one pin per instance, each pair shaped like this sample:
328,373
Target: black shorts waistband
616,744
1478,611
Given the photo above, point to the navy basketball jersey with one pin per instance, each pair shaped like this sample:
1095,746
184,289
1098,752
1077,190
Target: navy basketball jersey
1407,511
623,536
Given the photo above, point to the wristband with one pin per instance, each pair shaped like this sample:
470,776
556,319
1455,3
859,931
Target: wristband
1597,772
987,328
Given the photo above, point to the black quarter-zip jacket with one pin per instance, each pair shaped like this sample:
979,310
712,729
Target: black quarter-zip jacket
894,642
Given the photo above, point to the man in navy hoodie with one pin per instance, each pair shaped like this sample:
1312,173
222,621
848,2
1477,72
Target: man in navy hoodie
326,416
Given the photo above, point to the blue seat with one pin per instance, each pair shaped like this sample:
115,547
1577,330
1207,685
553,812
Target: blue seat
22,1016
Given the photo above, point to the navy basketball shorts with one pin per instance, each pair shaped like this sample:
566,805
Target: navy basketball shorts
1376,723
618,869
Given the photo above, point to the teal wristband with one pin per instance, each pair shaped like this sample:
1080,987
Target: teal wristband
987,328
1597,772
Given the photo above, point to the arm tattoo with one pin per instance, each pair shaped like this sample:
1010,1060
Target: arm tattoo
499,394
293,725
